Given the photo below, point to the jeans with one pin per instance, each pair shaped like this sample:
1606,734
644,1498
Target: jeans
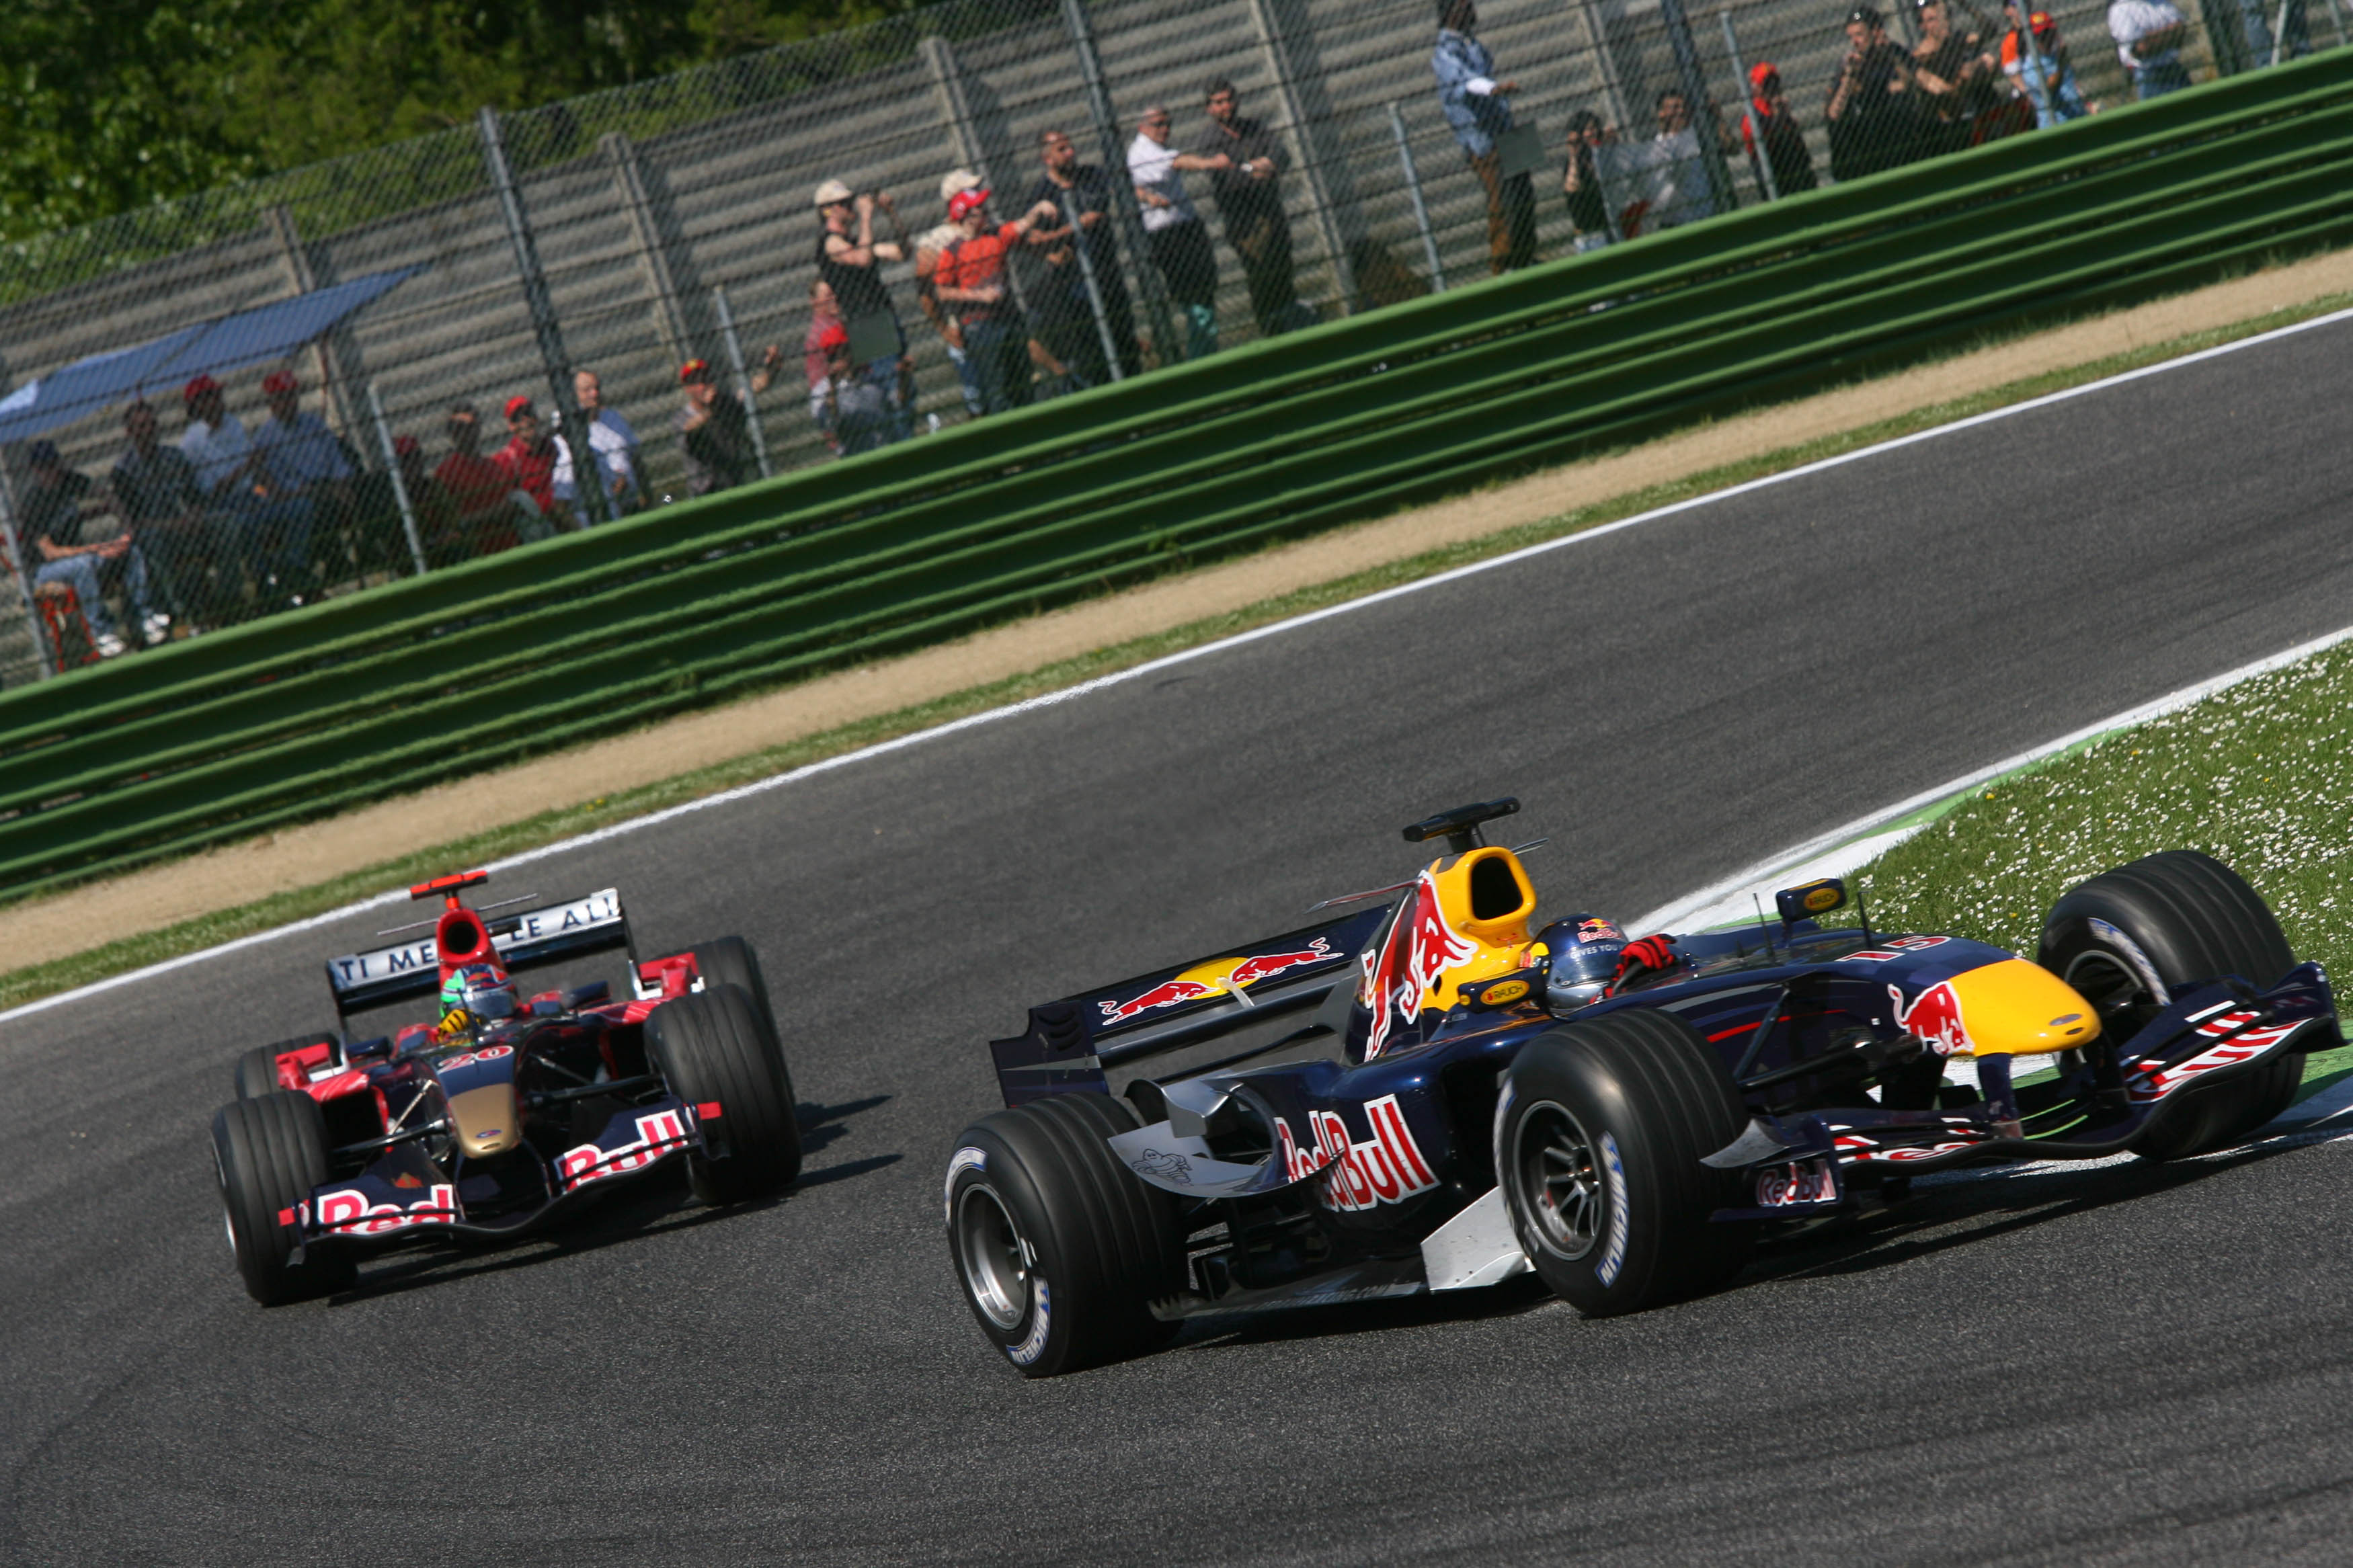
2156,80
998,351
1511,214
81,572
966,379
273,536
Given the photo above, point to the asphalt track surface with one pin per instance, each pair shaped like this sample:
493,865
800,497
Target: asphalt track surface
2138,1363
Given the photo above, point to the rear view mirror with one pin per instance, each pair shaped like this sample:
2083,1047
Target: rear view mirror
1810,900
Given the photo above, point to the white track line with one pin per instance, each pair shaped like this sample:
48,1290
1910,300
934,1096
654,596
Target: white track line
1277,628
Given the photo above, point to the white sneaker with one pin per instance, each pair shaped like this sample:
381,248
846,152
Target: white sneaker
156,628
108,645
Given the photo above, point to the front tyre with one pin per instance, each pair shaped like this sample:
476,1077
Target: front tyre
1058,1247
2161,926
1600,1135
710,1047
269,1153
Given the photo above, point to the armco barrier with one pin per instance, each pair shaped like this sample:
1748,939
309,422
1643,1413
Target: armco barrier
322,709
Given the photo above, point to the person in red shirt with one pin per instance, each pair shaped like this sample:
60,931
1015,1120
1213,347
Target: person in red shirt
530,457
970,281
484,494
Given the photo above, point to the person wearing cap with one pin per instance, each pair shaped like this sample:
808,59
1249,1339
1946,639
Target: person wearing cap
929,244
971,281
529,460
309,467
260,524
1872,110
491,512
2148,35
1082,196
75,547
155,489
714,431
1770,132
1476,107
848,259
1249,198
1172,231
2052,90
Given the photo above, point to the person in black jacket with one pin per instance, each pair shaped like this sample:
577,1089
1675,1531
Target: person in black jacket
1251,199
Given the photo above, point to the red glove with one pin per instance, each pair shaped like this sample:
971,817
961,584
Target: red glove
1643,957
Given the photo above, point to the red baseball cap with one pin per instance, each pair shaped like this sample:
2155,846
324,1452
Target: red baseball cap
404,446
694,370
278,381
963,202
834,336
199,388
518,406
1762,72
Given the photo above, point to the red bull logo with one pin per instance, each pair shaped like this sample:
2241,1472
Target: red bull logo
1251,970
1218,977
1167,994
1421,948
348,1213
1387,1168
659,1133
1935,1016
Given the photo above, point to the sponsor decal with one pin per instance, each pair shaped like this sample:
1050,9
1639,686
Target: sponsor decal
1896,948
1822,898
2135,959
1041,1307
2156,1083
1503,993
1421,948
468,1059
348,1211
659,1132
1218,977
1169,1167
407,1180
1167,994
1387,1168
1598,930
963,1160
1935,1016
1864,1151
1251,970
1613,1174
1799,1182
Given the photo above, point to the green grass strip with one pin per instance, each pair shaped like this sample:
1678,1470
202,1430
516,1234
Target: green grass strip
1992,912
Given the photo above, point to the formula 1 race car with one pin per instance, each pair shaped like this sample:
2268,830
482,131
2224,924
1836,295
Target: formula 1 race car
508,1112
1471,1098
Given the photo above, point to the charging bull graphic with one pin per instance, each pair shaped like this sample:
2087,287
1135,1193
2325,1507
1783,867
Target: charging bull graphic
1935,1017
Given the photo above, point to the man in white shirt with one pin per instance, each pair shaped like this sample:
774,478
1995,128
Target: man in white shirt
1179,243
268,529
1685,192
2149,36
613,444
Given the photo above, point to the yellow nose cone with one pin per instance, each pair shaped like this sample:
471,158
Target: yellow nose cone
2018,1008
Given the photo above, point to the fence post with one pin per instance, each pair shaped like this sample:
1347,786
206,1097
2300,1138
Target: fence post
744,393
1278,62
33,627
1413,189
1123,192
1094,286
399,482
586,481
1759,156
1705,126
1612,93
280,220
670,322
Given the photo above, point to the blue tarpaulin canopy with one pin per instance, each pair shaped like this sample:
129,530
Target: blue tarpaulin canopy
216,347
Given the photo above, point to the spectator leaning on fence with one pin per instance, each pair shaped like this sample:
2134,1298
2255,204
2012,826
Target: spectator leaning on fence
266,528
1684,190
529,460
2053,92
1249,198
1873,115
491,511
972,283
1771,131
2148,35
80,552
155,488
928,246
714,431
1475,105
308,463
1178,239
848,259
612,440
1082,196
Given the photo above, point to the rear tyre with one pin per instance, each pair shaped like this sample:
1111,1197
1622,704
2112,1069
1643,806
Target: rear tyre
1599,1142
710,1047
269,1152
730,961
2176,921
257,1071
1060,1249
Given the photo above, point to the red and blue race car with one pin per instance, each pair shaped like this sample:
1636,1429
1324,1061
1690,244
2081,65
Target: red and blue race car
506,1111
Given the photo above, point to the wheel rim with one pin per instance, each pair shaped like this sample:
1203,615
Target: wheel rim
1559,1179
993,1256
2115,991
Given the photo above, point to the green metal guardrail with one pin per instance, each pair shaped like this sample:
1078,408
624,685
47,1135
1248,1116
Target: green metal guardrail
325,708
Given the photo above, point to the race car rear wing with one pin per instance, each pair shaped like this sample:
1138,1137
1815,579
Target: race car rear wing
590,924
1070,1042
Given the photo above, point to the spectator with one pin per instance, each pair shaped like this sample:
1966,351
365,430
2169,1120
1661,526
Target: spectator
155,489
1178,239
826,324
972,283
306,461
2148,35
1684,191
1770,132
268,529
1589,208
1961,91
928,246
1251,200
714,433
529,460
491,511
1874,123
847,254
1474,104
2053,92
1082,196
435,510
852,411
73,552
613,446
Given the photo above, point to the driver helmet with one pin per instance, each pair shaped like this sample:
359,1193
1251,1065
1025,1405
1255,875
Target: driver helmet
1582,956
483,991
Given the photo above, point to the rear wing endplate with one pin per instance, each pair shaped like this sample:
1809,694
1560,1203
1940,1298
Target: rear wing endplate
590,924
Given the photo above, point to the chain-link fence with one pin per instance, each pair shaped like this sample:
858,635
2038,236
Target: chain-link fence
1309,159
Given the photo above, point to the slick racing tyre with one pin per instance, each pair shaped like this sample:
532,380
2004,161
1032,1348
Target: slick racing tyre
730,961
1599,1133
711,1047
1059,1249
270,1152
257,1071
2179,918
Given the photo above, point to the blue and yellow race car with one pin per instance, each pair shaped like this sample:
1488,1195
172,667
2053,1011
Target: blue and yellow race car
1434,1094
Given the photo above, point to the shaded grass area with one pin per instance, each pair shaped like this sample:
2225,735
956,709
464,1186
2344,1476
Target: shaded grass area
131,952
2256,776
